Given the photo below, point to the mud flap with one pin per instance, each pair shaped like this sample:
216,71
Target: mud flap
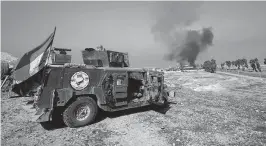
40,115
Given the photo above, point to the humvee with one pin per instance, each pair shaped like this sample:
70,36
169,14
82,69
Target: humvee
104,81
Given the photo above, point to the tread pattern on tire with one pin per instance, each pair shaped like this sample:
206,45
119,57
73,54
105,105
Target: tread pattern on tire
68,118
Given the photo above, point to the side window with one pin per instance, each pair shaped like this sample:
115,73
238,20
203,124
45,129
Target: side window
121,80
154,79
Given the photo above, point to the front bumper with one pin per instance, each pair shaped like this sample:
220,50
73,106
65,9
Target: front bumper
37,115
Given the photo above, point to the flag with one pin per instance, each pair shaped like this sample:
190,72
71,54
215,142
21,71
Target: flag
33,61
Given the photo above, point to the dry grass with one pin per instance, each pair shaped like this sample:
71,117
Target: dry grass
247,73
210,109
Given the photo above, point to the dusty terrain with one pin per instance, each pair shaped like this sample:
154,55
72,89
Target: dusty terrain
8,58
252,74
210,109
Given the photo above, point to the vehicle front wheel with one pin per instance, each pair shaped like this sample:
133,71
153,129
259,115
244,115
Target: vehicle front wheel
81,112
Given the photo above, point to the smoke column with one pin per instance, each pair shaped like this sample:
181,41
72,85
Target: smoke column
171,22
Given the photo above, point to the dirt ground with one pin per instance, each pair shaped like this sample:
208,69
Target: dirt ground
209,109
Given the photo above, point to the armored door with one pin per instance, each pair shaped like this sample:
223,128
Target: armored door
155,88
120,88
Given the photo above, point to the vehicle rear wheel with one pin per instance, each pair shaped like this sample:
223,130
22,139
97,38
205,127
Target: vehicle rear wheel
81,112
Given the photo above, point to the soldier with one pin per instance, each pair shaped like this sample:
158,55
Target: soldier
4,69
100,48
36,95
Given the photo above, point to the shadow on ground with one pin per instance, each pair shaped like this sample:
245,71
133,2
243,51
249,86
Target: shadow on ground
102,115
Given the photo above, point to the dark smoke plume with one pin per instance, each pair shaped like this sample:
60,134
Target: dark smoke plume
171,22
194,43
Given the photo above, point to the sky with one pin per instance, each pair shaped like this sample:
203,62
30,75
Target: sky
238,28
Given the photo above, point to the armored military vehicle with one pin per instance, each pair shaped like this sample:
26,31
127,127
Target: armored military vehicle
104,81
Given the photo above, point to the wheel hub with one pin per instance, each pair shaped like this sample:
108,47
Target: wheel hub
82,112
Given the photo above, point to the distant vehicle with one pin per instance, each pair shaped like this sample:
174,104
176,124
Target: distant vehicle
105,81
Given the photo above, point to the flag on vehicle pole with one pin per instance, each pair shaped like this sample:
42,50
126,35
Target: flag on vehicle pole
33,61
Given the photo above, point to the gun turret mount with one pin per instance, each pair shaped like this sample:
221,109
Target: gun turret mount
60,56
105,58
62,50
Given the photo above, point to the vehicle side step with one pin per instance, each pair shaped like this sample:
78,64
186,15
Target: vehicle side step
121,103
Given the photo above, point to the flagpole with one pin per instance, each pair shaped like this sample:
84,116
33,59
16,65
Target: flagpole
4,81
49,53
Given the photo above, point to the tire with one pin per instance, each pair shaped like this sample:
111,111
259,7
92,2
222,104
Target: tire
70,117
